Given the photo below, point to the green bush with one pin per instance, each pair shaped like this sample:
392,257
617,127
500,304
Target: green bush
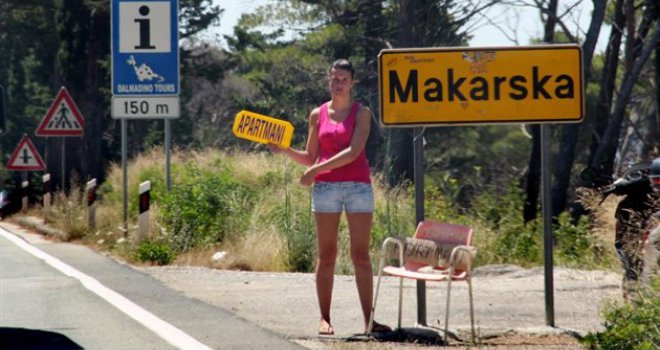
634,325
153,252
204,206
508,239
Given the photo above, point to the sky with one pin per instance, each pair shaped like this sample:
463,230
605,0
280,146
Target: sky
515,27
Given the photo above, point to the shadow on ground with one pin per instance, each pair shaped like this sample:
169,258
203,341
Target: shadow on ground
32,339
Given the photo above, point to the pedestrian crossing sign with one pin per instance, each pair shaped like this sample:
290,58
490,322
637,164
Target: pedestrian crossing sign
63,117
26,157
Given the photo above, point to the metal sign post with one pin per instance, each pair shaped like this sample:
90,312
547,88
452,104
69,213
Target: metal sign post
168,154
548,243
418,165
124,176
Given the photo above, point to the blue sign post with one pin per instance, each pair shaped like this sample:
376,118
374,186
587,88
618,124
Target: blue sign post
145,59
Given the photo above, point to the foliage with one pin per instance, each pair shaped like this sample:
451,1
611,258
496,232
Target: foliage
632,325
250,205
154,252
203,205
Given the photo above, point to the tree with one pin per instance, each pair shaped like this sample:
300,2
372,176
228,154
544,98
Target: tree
570,133
605,146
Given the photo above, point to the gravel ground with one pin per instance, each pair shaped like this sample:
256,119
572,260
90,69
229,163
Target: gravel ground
509,304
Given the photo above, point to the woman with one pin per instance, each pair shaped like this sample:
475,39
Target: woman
339,173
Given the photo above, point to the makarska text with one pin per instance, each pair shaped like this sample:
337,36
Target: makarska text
459,88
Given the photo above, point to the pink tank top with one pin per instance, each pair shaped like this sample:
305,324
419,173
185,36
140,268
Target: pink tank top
335,137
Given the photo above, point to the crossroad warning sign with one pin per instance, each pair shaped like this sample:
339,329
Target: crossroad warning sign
63,117
25,157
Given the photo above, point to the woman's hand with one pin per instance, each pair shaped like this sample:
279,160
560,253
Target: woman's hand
274,148
308,177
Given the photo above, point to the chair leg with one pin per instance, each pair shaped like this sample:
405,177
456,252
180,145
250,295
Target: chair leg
469,281
451,272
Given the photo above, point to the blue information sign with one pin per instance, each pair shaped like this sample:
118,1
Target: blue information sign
145,47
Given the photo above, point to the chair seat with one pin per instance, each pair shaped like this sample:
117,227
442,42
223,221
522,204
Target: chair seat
423,272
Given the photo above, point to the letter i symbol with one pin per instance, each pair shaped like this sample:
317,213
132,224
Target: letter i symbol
145,33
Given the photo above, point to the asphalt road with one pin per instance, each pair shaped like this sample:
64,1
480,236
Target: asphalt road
71,297
254,310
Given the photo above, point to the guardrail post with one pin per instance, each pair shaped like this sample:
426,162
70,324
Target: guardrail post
143,219
46,195
91,204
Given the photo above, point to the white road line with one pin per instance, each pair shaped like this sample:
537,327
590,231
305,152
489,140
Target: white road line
163,329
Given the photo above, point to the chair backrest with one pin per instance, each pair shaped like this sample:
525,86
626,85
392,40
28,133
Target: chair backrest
445,237
445,234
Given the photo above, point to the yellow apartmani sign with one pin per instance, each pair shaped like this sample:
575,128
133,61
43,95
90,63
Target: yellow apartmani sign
263,129
445,86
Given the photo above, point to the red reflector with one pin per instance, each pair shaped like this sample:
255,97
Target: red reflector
655,181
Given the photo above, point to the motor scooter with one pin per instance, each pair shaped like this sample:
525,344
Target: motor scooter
633,216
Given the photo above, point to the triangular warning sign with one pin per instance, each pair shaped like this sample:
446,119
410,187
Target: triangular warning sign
63,117
25,157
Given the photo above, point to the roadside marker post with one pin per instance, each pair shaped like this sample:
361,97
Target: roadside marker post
143,218
46,195
24,190
425,87
91,204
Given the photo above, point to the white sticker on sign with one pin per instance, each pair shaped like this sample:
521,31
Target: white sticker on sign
144,27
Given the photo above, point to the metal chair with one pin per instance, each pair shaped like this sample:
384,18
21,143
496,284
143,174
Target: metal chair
438,252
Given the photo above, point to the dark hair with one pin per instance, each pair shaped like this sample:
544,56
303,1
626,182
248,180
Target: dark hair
343,64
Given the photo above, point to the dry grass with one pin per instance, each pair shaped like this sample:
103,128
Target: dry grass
602,218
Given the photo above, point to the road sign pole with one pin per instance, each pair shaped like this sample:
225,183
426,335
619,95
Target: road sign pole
547,226
124,174
168,151
62,172
418,165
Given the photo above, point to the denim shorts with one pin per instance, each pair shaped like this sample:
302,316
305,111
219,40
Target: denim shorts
335,197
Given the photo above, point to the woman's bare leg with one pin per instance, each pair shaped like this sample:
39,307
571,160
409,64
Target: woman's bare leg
359,226
327,227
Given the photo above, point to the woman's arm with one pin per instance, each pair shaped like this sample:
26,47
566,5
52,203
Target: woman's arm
308,156
347,155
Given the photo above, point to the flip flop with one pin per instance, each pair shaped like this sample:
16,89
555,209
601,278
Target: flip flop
325,328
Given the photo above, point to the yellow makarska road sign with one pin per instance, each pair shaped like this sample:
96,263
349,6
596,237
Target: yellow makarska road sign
529,84
263,129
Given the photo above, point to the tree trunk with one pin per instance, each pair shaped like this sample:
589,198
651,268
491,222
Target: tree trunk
96,123
604,103
607,148
570,132
655,129
371,18
400,146
530,208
